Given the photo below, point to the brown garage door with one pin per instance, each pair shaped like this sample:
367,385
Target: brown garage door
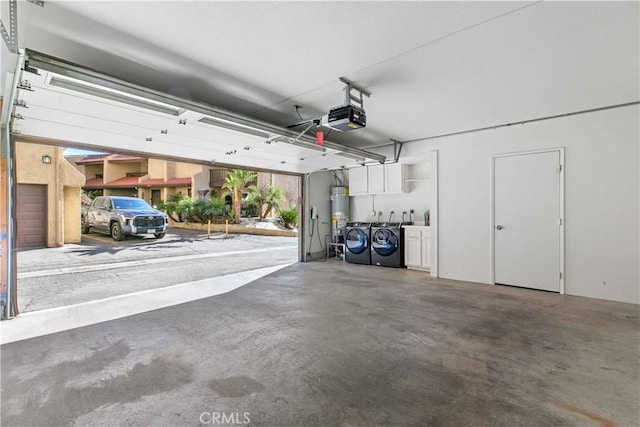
32,215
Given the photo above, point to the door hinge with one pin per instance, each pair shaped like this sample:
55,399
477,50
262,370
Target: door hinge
559,221
559,168
560,275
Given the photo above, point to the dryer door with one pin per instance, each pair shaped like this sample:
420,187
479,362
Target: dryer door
384,242
357,241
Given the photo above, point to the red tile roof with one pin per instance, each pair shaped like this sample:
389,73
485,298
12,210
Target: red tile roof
126,182
95,159
179,182
153,182
173,182
134,181
94,183
123,158
92,159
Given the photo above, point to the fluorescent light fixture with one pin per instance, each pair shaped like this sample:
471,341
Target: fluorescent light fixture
234,126
112,95
358,159
301,144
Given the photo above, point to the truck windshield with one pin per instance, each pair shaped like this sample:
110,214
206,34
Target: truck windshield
130,204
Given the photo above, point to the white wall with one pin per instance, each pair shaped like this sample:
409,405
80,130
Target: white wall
602,199
317,193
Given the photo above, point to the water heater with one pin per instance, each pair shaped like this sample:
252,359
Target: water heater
339,212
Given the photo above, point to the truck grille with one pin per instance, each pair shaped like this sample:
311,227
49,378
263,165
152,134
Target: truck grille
144,221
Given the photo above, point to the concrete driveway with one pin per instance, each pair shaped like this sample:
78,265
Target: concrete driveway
100,268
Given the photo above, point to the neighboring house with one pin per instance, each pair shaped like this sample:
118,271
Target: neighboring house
155,180
48,197
149,179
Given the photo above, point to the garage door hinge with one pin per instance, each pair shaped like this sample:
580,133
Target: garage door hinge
37,2
25,85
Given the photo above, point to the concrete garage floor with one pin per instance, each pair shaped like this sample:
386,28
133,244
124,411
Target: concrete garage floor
338,344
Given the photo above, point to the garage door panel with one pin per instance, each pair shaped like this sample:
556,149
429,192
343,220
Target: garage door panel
32,215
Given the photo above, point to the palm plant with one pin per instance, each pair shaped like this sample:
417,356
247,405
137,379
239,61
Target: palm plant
256,198
216,205
272,200
208,210
171,206
289,218
184,208
266,199
237,182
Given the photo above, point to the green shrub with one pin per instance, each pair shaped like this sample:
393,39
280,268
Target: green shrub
207,210
289,218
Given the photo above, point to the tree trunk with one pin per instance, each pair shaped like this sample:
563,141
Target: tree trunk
237,205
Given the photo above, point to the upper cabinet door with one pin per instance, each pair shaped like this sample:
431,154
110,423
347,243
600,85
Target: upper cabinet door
358,181
376,179
394,176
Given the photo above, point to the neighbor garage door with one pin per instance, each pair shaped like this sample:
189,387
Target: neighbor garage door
32,215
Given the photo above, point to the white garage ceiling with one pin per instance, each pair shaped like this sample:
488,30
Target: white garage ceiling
433,68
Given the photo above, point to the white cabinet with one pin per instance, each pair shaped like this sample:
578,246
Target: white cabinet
394,178
377,179
358,181
417,247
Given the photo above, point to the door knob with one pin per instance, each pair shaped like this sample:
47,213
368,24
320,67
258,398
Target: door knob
498,227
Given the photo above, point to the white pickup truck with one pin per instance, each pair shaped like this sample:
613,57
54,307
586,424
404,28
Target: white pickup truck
121,216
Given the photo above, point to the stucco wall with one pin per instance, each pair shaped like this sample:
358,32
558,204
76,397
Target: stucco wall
120,170
290,186
201,180
72,180
56,176
90,171
31,170
184,170
157,168
72,233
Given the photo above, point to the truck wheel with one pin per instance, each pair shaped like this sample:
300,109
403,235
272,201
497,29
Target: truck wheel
116,232
159,235
84,227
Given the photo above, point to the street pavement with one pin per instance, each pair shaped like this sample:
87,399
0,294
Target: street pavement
100,268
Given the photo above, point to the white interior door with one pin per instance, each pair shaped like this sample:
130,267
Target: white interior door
527,220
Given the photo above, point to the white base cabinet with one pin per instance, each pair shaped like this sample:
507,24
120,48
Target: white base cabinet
417,247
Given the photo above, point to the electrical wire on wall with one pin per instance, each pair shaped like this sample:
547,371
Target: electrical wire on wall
312,232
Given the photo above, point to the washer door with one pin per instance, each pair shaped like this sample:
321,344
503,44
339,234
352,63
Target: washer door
384,242
357,241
